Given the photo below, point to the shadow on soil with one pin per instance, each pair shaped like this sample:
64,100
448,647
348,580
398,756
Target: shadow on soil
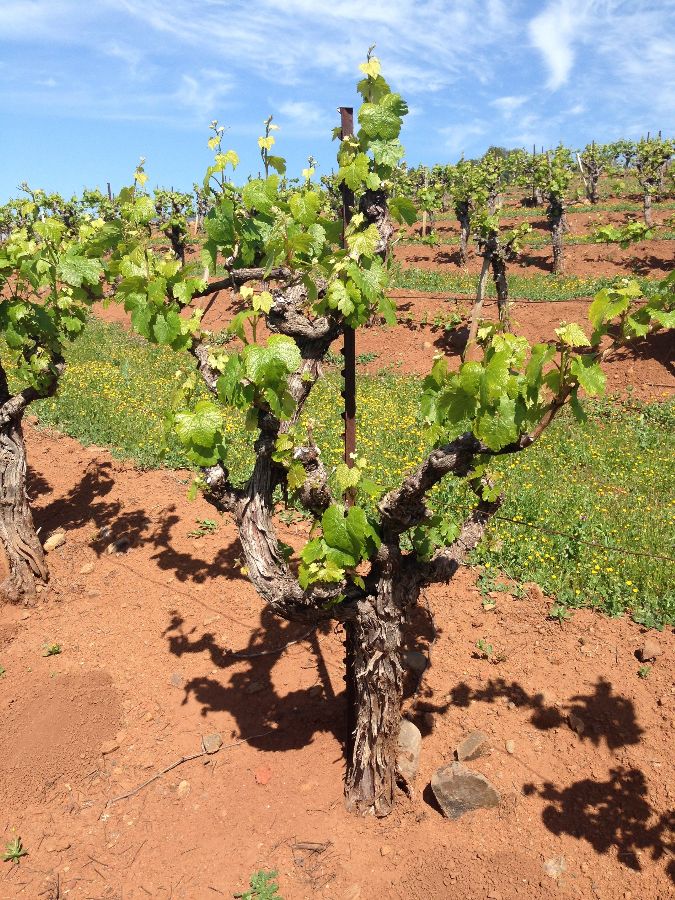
657,346
612,814
88,504
248,692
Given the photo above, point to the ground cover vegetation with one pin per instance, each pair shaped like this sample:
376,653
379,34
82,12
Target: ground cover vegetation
308,274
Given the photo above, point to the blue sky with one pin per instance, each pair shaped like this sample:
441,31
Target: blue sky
88,86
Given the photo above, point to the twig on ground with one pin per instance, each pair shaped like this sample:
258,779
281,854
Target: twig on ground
309,845
180,762
275,650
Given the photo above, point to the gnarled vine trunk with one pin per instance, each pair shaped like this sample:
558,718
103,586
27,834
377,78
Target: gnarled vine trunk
556,216
502,288
374,693
18,538
463,212
647,209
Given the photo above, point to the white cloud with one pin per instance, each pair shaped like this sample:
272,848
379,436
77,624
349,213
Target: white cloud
459,138
426,44
553,33
303,117
202,94
508,105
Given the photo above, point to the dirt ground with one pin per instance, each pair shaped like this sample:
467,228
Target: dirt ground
149,666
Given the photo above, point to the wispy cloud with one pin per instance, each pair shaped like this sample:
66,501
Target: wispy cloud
508,105
553,32
458,139
163,70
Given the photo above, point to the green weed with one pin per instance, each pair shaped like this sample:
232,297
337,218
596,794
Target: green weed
14,850
263,887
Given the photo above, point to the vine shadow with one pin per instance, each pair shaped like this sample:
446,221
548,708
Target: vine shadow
249,693
88,503
611,814
657,346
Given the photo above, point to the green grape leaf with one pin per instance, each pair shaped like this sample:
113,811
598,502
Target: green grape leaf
589,374
261,195
403,210
78,270
354,172
572,334
199,426
305,206
496,428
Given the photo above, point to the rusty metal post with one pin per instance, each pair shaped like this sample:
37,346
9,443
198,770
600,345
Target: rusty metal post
349,348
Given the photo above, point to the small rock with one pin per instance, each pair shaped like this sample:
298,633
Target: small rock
576,724
183,788
534,592
555,867
24,616
415,660
211,620
254,687
109,747
386,850
87,569
177,680
511,705
57,539
475,745
57,845
121,545
494,895
409,746
263,774
650,650
510,747
212,742
459,790
427,345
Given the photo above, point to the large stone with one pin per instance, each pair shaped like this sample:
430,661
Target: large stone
458,790
474,745
409,746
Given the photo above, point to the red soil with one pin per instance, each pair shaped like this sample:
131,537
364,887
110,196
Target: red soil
652,258
146,670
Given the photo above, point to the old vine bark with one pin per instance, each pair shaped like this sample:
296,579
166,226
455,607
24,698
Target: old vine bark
556,216
18,538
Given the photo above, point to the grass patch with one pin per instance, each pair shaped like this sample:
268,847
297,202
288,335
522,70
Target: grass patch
525,287
609,481
535,241
539,212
